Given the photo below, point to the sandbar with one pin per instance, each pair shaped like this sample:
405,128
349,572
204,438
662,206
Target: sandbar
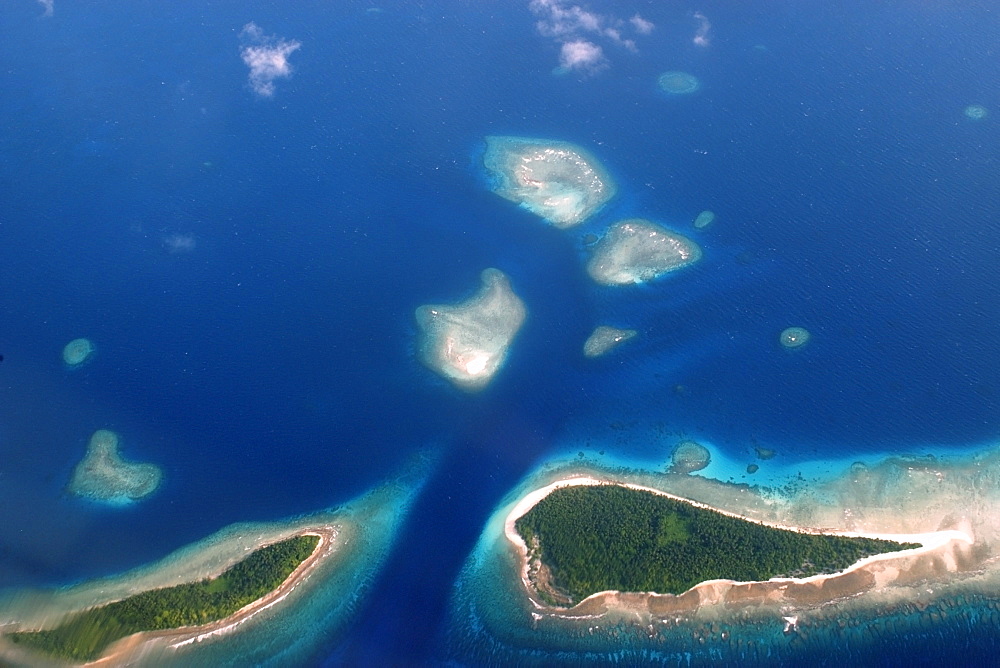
467,343
638,250
794,337
557,181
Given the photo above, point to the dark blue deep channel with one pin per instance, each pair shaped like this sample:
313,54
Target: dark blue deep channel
248,268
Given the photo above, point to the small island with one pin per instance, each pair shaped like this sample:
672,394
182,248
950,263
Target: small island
299,597
602,605
589,537
256,581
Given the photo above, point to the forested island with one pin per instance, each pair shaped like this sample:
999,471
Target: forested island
85,636
584,539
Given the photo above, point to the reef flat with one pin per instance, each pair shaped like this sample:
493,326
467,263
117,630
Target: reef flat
637,251
794,337
286,627
557,181
678,83
467,343
950,508
104,476
604,339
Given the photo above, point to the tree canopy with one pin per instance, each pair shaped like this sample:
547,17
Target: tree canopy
85,635
609,537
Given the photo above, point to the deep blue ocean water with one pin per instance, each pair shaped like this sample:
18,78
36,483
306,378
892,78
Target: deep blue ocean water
248,266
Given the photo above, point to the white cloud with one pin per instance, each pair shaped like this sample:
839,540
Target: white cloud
179,243
580,55
641,25
267,58
48,6
557,20
574,28
701,34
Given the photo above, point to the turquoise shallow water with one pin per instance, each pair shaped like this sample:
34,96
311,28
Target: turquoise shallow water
248,267
494,622
294,631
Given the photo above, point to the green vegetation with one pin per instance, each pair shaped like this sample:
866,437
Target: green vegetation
608,537
84,636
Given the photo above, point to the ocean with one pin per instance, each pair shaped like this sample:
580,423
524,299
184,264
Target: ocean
247,262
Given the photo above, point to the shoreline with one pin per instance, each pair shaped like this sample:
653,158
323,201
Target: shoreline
931,542
295,578
132,648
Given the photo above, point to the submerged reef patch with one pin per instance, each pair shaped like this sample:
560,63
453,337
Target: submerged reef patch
794,337
688,457
104,476
976,112
604,339
704,219
557,181
678,83
467,343
77,351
